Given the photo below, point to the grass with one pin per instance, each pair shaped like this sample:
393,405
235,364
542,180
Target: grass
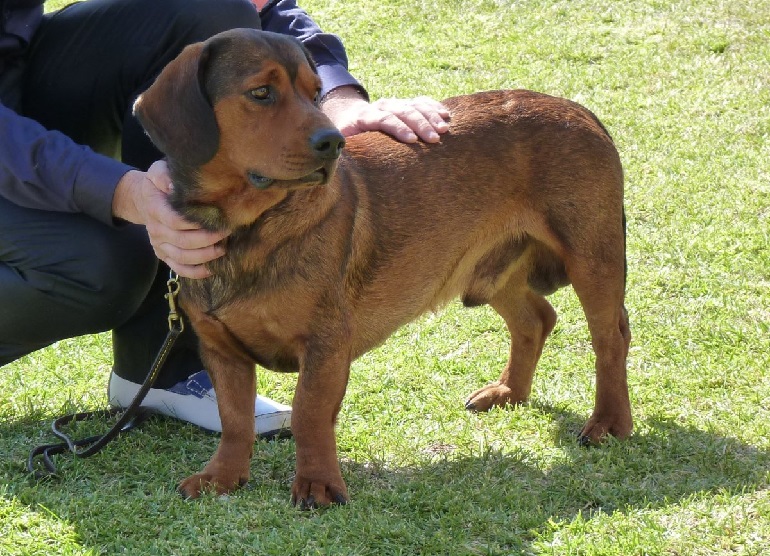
684,88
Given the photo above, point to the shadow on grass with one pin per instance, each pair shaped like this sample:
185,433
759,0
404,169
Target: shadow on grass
499,503
489,504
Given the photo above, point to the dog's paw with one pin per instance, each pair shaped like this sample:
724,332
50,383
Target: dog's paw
493,394
602,425
196,485
307,494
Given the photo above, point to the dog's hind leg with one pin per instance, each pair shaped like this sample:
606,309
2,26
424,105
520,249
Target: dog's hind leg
601,289
530,318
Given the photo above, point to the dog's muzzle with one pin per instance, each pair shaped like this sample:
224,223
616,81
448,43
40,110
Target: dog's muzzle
327,144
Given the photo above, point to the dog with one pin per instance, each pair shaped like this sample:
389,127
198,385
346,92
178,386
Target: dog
335,243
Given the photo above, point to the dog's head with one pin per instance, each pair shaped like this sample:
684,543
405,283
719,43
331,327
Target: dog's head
237,115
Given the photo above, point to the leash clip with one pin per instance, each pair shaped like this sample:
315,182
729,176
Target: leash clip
175,321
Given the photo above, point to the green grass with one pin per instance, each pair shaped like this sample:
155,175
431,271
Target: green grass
684,87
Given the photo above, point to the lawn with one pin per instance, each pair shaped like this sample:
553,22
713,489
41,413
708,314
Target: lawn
684,88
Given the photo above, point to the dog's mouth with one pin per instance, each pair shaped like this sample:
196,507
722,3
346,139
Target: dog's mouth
319,176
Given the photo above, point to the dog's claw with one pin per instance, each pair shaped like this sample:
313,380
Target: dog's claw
310,502
304,503
584,440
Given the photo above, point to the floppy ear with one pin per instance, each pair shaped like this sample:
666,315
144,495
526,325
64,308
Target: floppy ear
309,58
176,112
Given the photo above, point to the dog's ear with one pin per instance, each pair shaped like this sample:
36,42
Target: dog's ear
309,58
176,112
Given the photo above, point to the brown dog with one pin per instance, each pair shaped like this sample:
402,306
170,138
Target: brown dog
523,195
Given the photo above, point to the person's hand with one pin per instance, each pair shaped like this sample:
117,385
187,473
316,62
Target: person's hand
404,119
141,198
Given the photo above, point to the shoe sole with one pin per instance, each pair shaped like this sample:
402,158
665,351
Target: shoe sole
187,407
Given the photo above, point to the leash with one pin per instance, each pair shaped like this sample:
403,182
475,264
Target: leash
131,417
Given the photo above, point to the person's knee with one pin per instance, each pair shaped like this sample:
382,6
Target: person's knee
96,288
204,18
122,273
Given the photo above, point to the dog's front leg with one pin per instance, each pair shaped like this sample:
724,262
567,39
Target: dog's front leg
320,389
228,468
235,385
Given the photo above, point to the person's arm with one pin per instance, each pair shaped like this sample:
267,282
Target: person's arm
46,170
344,100
287,18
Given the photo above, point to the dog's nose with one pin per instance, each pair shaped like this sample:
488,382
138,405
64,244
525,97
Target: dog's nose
327,143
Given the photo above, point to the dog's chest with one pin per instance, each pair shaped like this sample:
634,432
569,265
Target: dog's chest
250,271
270,321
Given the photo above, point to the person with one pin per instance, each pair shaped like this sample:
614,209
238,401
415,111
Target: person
86,235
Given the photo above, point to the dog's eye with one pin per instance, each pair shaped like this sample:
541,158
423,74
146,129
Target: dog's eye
260,93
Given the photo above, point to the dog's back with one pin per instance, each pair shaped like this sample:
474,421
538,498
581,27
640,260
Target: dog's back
506,191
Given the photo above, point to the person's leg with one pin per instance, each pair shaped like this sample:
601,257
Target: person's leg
64,275
89,61
86,66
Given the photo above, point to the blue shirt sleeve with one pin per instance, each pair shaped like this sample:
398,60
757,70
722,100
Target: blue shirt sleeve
285,17
46,170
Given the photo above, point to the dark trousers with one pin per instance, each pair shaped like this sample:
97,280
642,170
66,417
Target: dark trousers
64,275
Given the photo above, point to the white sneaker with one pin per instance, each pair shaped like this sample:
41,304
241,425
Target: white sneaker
193,400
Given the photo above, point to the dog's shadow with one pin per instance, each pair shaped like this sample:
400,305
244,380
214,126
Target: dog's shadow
666,465
503,499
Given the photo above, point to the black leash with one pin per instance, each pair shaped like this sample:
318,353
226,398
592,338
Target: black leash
131,416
